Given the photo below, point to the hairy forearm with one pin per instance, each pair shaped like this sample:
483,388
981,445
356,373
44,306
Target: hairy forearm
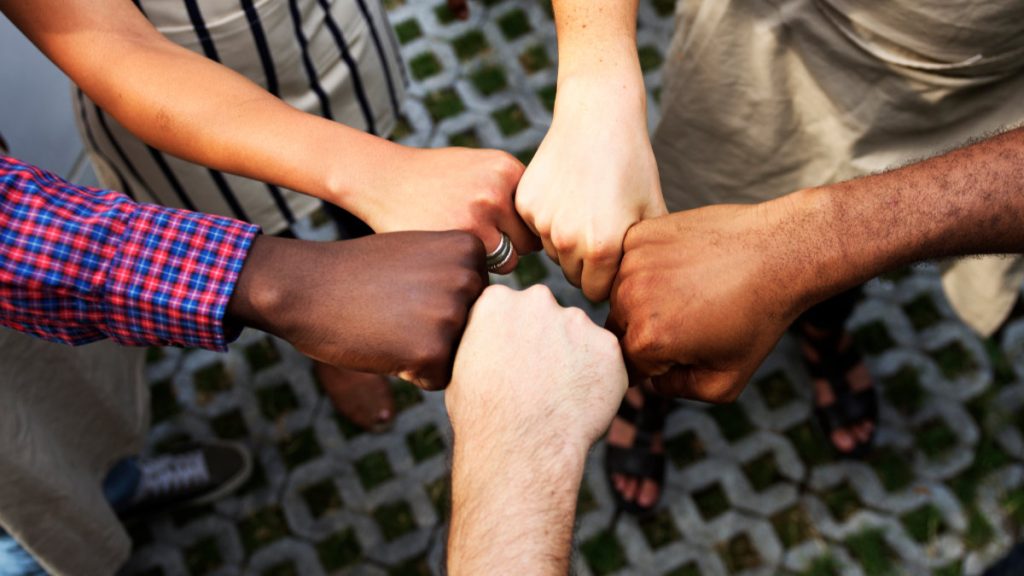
513,509
194,108
969,201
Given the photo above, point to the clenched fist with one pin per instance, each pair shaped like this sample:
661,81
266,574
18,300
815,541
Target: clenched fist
386,304
593,177
449,189
529,371
702,296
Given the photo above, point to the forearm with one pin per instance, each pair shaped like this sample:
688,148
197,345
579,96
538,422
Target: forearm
969,201
513,509
597,48
79,264
194,108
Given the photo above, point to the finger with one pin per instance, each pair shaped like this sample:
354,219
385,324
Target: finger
521,235
549,249
492,239
572,265
696,383
598,275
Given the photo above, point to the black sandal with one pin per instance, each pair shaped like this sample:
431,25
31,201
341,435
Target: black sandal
638,460
850,407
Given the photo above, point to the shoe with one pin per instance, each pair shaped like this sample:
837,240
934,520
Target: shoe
192,477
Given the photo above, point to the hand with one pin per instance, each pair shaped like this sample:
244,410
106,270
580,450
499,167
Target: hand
702,296
535,385
531,372
593,177
386,304
449,189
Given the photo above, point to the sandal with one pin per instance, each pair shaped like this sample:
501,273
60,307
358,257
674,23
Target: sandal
638,460
835,358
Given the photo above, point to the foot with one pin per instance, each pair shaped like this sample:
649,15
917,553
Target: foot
644,492
364,399
853,428
192,477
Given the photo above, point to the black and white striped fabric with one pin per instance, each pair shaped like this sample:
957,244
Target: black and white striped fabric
334,58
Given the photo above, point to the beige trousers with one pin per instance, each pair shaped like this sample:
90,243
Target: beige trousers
762,98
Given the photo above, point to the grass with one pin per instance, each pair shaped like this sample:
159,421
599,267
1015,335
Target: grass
922,312
868,547
440,494
685,449
776,389
374,469
511,120
300,447
534,59
711,502
892,467
230,425
467,139
322,498
659,530
531,270
650,58
339,550
739,554
904,391
470,44
873,338
923,524
262,528
424,66
443,104
953,360
762,471
842,501
935,438
163,401
408,30
276,401
514,24
732,421
395,520
603,553
204,556
489,80
425,442
793,526
210,381
809,444
262,354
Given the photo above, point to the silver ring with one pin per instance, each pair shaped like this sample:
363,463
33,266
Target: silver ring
501,255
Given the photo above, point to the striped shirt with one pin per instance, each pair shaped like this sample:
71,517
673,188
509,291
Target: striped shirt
334,58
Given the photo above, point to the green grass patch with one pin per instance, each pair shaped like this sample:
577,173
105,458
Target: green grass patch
650,58
935,438
531,270
732,421
514,24
922,312
534,59
408,30
711,502
470,44
413,567
374,469
276,401
230,425
739,554
1002,370
868,547
762,471
262,354
685,449
395,520
776,389
904,391
547,97
793,526
822,566
664,7
262,528
511,119
467,139
809,444
444,15
424,66
210,381
842,501
603,553
659,529
923,524
688,569
892,467
979,531
873,338
425,442
443,104
339,550
440,494
299,447
953,360
489,80
204,556
322,498
406,395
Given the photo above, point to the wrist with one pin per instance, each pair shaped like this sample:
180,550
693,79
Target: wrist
360,180
261,289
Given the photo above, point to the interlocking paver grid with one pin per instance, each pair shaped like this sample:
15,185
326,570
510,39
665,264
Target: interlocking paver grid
751,488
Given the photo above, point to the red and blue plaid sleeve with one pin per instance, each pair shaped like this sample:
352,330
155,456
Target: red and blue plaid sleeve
79,264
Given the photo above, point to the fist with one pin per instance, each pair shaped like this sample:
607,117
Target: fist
702,297
387,304
530,371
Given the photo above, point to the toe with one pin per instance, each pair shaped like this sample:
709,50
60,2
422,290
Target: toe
843,440
648,494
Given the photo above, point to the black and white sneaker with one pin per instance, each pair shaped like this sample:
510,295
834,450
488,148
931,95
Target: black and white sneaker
193,477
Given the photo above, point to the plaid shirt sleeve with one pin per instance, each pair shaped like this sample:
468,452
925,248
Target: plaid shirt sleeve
79,264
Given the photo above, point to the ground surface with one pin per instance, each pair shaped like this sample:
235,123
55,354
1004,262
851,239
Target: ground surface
751,487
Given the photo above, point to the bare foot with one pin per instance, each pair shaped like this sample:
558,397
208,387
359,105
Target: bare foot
364,399
847,438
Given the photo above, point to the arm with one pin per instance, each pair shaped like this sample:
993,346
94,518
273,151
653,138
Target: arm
79,264
704,295
594,174
203,112
522,435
